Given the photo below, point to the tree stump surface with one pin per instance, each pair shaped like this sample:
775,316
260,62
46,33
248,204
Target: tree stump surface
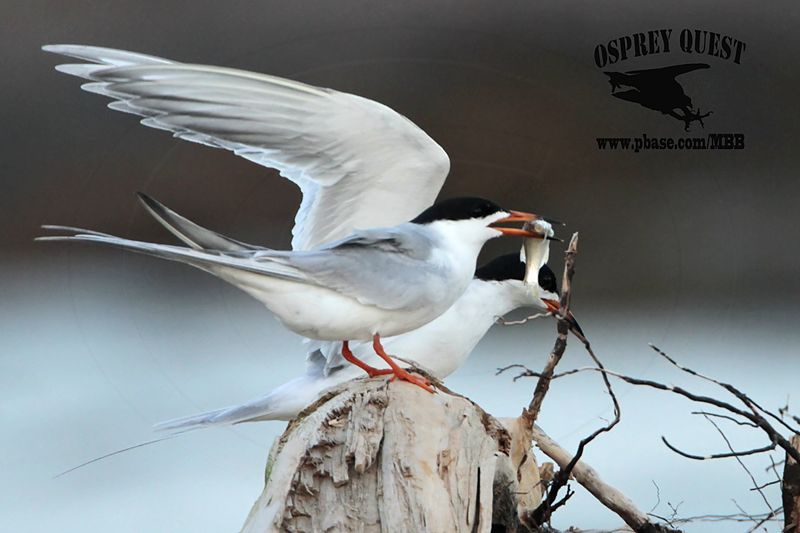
377,456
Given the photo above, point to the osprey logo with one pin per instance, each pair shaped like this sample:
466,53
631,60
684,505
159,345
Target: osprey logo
657,89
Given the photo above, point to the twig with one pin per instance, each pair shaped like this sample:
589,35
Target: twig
658,497
549,504
732,453
737,517
741,463
674,509
502,369
746,400
726,417
769,516
774,467
503,322
562,476
543,384
767,484
591,481
753,417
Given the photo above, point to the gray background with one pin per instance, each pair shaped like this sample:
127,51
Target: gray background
696,251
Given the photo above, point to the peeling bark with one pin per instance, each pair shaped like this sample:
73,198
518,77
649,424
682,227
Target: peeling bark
791,491
376,456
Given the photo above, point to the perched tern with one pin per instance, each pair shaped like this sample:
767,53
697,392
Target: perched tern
439,347
358,163
380,281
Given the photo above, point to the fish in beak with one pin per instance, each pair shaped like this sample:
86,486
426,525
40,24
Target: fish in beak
522,216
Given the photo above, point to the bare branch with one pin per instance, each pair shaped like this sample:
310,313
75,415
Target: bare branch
744,513
726,417
717,455
543,384
753,416
503,322
784,411
741,463
737,517
767,484
765,519
502,369
549,504
746,400
563,475
590,480
658,497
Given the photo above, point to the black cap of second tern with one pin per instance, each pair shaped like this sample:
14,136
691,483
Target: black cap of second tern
502,268
547,279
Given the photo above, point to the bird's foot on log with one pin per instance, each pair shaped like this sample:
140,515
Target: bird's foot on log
401,374
404,375
375,372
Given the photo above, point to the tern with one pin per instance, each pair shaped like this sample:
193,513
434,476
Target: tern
358,163
379,281
440,347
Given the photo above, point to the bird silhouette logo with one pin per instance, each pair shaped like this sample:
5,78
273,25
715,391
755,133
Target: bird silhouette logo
657,89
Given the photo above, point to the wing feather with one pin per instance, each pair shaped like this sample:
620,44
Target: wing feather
358,163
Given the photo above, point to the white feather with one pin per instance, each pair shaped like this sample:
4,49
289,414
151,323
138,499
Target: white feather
358,163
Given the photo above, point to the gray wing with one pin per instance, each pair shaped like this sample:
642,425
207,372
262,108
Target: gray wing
357,162
384,267
375,267
390,248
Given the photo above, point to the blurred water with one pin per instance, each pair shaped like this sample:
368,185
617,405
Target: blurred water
95,352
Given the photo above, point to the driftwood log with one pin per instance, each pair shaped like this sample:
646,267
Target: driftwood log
378,456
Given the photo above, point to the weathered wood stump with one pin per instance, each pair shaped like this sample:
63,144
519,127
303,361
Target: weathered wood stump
378,456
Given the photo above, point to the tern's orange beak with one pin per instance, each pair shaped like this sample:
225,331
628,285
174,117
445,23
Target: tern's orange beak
554,305
519,216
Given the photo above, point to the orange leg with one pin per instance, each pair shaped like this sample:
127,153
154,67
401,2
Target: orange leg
370,370
399,373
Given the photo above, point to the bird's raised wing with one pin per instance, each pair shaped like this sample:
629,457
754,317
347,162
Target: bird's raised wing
358,163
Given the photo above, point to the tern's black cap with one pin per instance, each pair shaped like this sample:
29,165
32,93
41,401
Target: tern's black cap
502,268
458,209
547,279
509,266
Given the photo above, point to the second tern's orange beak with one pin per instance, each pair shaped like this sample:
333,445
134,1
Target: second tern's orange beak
554,305
519,216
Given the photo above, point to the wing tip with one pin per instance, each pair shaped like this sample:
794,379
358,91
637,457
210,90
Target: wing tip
150,203
45,238
80,70
57,48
